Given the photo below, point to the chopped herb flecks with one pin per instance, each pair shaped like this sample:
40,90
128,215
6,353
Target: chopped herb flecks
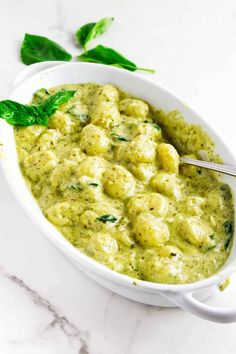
156,126
93,184
76,186
119,137
107,218
226,191
212,243
228,227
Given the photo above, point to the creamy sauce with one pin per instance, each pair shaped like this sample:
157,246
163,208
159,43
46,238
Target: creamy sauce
106,174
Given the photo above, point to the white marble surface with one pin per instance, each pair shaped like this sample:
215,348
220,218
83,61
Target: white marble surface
46,305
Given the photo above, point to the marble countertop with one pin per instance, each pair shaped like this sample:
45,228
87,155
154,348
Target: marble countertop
46,305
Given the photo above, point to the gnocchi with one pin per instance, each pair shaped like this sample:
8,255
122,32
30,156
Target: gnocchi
104,111
133,107
106,172
197,233
141,149
118,182
167,184
93,140
150,231
153,203
102,245
91,167
38,163
168,157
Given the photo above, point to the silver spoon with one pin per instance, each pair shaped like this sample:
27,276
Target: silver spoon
227,169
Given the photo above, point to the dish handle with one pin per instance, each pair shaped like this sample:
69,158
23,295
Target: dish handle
189,303
34,69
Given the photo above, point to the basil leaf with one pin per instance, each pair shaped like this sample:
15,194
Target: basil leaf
35,49
93,184
93,30
228,227
99,28
119,137
107,217
51,104
108,56
82,33
19,114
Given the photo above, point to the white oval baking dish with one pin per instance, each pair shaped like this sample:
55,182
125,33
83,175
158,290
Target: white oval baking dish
48,74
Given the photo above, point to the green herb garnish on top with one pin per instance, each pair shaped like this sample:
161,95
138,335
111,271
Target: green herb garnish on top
227,195
76,186
107,218
119,137
212,243
229,229
156,126
19,114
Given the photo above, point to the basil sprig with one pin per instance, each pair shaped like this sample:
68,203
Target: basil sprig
19,114
90,31
51,104
109,56
36,49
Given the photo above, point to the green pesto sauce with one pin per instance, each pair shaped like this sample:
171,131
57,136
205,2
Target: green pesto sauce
106,174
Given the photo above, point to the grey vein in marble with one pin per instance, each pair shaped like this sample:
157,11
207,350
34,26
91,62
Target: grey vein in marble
60,321
84,347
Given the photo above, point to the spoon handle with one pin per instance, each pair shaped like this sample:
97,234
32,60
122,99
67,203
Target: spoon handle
227,169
